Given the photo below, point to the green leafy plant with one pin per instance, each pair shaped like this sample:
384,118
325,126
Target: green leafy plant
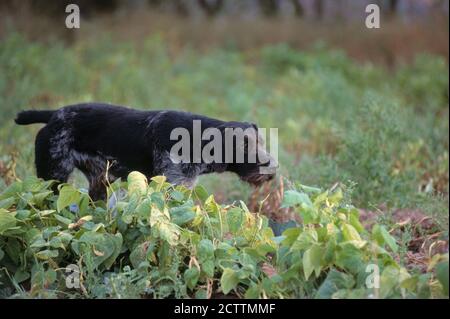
163,241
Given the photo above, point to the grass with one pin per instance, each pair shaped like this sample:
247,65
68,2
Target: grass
383,131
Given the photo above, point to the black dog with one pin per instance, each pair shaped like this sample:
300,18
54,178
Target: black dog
89,136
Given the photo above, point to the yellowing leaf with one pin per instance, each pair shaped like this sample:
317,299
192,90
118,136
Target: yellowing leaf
137,183
350,233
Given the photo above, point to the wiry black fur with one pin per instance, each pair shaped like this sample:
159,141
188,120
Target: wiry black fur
88,136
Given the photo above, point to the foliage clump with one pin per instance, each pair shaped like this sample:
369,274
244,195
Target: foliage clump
156,240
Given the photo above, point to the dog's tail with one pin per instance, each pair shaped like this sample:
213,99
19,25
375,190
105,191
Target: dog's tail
32,116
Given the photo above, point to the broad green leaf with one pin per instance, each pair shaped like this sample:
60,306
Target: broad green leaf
410,283
205,250
7,220
141,252
335,281
309,189
235,218
291,235
354,221
182,215
117,240
33,184
442,275
102,247
329,251
390,241
229,280
44,213
191,276
23,214
7,203
40,197
201,294
39,243
64,220
349,257
201,193
305,240
208,268
389,279
382,236
46,254
13,250
312,261
43,279
292,198
177,195
158,199
21,275
253,292
12,190
68,195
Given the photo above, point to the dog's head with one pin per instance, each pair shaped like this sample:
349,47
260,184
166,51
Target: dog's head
251,161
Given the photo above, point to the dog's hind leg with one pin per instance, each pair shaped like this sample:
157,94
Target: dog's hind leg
97,187
52,161
94,167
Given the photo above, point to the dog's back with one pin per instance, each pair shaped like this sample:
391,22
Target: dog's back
96,137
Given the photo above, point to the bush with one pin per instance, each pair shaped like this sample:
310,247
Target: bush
162,241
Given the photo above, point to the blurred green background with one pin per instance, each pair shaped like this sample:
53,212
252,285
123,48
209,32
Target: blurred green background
366,108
